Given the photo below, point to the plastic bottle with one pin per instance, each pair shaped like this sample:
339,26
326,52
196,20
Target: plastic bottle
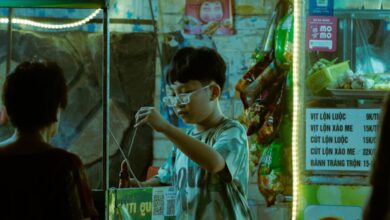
124,176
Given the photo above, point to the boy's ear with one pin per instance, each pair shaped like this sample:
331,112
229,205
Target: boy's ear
215,92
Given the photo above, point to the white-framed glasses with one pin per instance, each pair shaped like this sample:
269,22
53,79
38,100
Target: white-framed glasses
181,98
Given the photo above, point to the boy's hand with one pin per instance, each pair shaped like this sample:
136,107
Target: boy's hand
150,116
133,183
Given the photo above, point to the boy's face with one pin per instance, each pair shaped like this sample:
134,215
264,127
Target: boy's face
192,100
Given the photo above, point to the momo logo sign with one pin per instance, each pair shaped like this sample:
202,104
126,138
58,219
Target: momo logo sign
321,33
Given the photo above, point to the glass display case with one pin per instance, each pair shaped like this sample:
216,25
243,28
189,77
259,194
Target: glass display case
341,75
103,88
59,31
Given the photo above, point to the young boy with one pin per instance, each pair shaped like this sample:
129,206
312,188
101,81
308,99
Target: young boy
209,163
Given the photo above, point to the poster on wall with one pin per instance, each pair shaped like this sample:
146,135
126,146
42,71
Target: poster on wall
208,17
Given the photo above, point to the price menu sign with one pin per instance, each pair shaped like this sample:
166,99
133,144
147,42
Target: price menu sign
340,139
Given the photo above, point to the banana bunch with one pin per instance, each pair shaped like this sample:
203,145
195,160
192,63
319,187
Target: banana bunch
320,64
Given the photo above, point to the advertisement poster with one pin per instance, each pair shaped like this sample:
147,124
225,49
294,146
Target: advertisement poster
208,17
142,203
321,33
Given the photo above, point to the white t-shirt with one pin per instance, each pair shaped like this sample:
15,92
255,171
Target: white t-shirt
203,195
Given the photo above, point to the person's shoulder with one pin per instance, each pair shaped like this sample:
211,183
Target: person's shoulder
65,156
231,128
233,124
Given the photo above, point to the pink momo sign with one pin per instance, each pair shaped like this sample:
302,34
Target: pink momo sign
208,17
321,33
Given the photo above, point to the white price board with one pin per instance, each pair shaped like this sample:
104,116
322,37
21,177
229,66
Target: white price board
340,139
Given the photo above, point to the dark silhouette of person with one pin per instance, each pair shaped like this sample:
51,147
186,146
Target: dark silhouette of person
38,180
378,203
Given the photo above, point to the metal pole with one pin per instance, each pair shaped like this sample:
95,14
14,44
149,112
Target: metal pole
106,98
9,45
155,32
106,108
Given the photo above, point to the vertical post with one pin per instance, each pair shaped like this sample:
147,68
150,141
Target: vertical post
352,43
155,32
106,108
9,40
106,98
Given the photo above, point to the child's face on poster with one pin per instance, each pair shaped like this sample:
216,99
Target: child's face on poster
211,10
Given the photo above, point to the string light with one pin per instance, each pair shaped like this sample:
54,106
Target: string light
297,48
50,26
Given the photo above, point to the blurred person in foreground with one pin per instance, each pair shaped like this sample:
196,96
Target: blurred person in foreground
38,180
378,203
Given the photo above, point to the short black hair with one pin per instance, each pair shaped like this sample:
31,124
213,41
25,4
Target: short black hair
32,94
203,64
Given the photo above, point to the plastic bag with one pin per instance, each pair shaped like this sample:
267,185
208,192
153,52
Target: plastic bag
372,46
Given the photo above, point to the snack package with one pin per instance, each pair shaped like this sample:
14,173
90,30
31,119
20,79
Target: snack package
266,131
271,180
266,111
288,48
255,150
255,117
283,30
260,85
248,95
275,106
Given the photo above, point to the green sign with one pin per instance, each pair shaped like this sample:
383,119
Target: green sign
142,203
53,3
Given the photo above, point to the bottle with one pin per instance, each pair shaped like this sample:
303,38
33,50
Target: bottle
124,176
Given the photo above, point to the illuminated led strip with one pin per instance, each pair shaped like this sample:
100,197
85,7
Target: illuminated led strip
296,128
50,26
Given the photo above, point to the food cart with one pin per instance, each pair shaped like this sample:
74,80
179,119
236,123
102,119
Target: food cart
340,78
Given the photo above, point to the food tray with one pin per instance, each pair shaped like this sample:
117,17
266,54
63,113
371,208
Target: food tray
358,93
